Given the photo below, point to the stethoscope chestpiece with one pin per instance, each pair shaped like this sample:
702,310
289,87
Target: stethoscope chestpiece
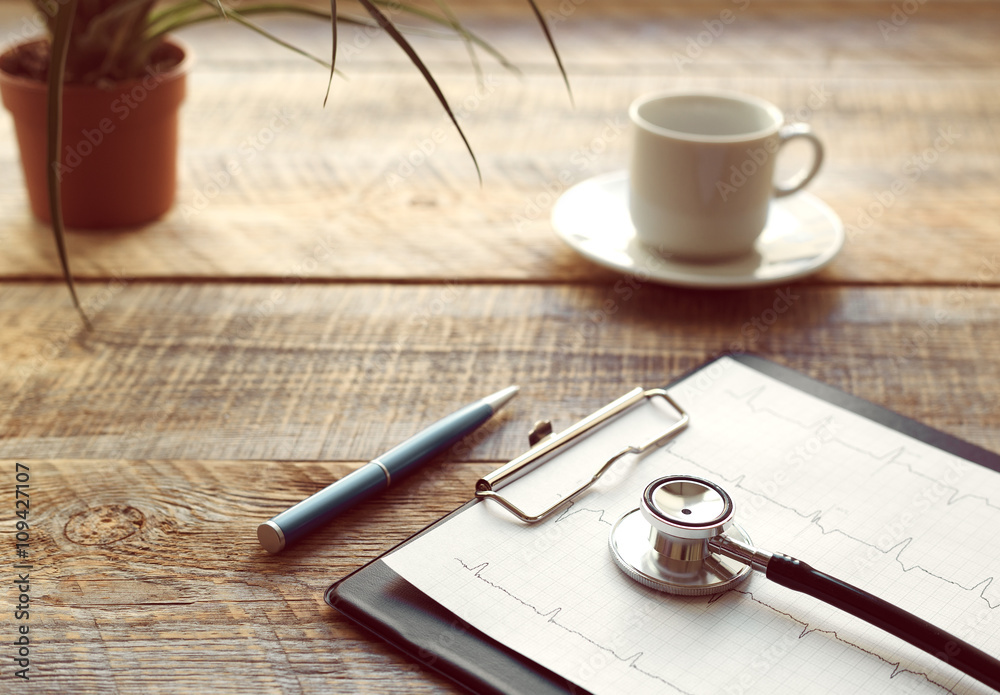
664,544
682,540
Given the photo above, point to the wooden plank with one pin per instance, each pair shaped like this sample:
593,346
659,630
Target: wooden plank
147,576
350,191
194,410
644,34
342,372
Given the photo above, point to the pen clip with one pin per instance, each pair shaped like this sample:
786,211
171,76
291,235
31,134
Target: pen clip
547,443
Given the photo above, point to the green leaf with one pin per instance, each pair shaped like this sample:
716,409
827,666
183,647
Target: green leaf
238,17
552,45
464,33
57,69
401,41
333,49
470,46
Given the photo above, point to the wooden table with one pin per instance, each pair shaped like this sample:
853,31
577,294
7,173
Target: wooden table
354,282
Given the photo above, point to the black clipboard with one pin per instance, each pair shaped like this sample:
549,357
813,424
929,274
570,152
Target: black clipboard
386,605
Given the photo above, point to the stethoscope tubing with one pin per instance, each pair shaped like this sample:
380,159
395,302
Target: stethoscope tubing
689,519
798,576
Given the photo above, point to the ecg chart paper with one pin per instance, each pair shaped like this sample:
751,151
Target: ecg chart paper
858,500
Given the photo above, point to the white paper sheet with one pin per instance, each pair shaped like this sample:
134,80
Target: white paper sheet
855,499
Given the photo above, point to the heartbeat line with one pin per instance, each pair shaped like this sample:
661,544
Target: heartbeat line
815,518
897,461
631,659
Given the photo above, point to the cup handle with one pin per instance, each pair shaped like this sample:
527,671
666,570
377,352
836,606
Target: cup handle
800,130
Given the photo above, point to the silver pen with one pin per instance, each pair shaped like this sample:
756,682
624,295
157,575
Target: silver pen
282,530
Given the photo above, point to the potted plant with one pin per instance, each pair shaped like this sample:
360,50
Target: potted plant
84,97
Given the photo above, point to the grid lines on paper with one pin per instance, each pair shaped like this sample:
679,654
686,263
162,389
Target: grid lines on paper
815,481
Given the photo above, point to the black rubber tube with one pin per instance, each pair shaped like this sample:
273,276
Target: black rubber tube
798,576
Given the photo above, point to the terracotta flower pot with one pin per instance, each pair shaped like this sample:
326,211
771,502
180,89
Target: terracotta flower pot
119,143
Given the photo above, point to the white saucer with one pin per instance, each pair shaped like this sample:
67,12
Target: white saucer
802,235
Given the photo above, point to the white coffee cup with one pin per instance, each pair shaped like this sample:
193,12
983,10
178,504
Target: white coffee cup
701,175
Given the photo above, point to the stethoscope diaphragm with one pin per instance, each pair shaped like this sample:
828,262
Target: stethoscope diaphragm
664,543
682,540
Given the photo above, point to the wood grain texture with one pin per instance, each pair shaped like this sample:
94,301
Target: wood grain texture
342,372
187,599
150,579
314,309
377,186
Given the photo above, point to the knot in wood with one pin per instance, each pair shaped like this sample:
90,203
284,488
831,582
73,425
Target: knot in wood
104,525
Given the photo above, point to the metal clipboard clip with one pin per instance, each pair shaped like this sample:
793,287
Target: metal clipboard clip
543,442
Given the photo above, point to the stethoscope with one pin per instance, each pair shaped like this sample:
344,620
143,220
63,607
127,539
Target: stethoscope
682,540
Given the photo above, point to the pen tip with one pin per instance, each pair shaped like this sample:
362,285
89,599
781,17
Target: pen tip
500,398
